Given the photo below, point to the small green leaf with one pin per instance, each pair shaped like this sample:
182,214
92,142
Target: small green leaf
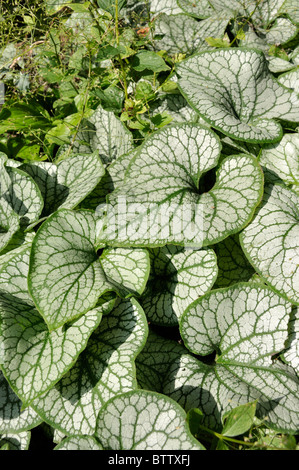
239,420
149,61
109,5
217,42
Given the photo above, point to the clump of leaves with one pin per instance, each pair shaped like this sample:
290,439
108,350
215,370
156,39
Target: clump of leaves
149,226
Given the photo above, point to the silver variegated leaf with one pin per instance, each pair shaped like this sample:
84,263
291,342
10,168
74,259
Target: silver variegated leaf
104,369
144,420
270,241
178,276
32,358
66,275
222,86
246,325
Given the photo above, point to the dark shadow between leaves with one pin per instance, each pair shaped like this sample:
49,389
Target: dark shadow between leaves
158,298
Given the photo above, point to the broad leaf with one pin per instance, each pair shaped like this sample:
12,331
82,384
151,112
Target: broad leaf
12,417
290,80
114,175
181,33
53,6
105,369
144,420
32,358
105,134
23,195
5,178
201,9
290,7
178,277
239,420
15,441
176,107
270,241
233,90
246,324
79,443
67,183
282,159
281,32
9,223
160,201
164,6
66,276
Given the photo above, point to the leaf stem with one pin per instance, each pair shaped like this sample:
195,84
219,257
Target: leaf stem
124,79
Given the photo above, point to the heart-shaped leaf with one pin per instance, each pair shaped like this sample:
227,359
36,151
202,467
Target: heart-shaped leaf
105,369
32,358
246,324
178,277
234,91
160,201
270,241
66,276
144,420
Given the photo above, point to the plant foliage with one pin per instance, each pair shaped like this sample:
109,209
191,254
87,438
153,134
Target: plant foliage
149,224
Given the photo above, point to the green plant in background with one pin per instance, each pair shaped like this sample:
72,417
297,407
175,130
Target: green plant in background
149,175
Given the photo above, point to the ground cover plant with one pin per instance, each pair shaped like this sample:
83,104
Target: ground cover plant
149,225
